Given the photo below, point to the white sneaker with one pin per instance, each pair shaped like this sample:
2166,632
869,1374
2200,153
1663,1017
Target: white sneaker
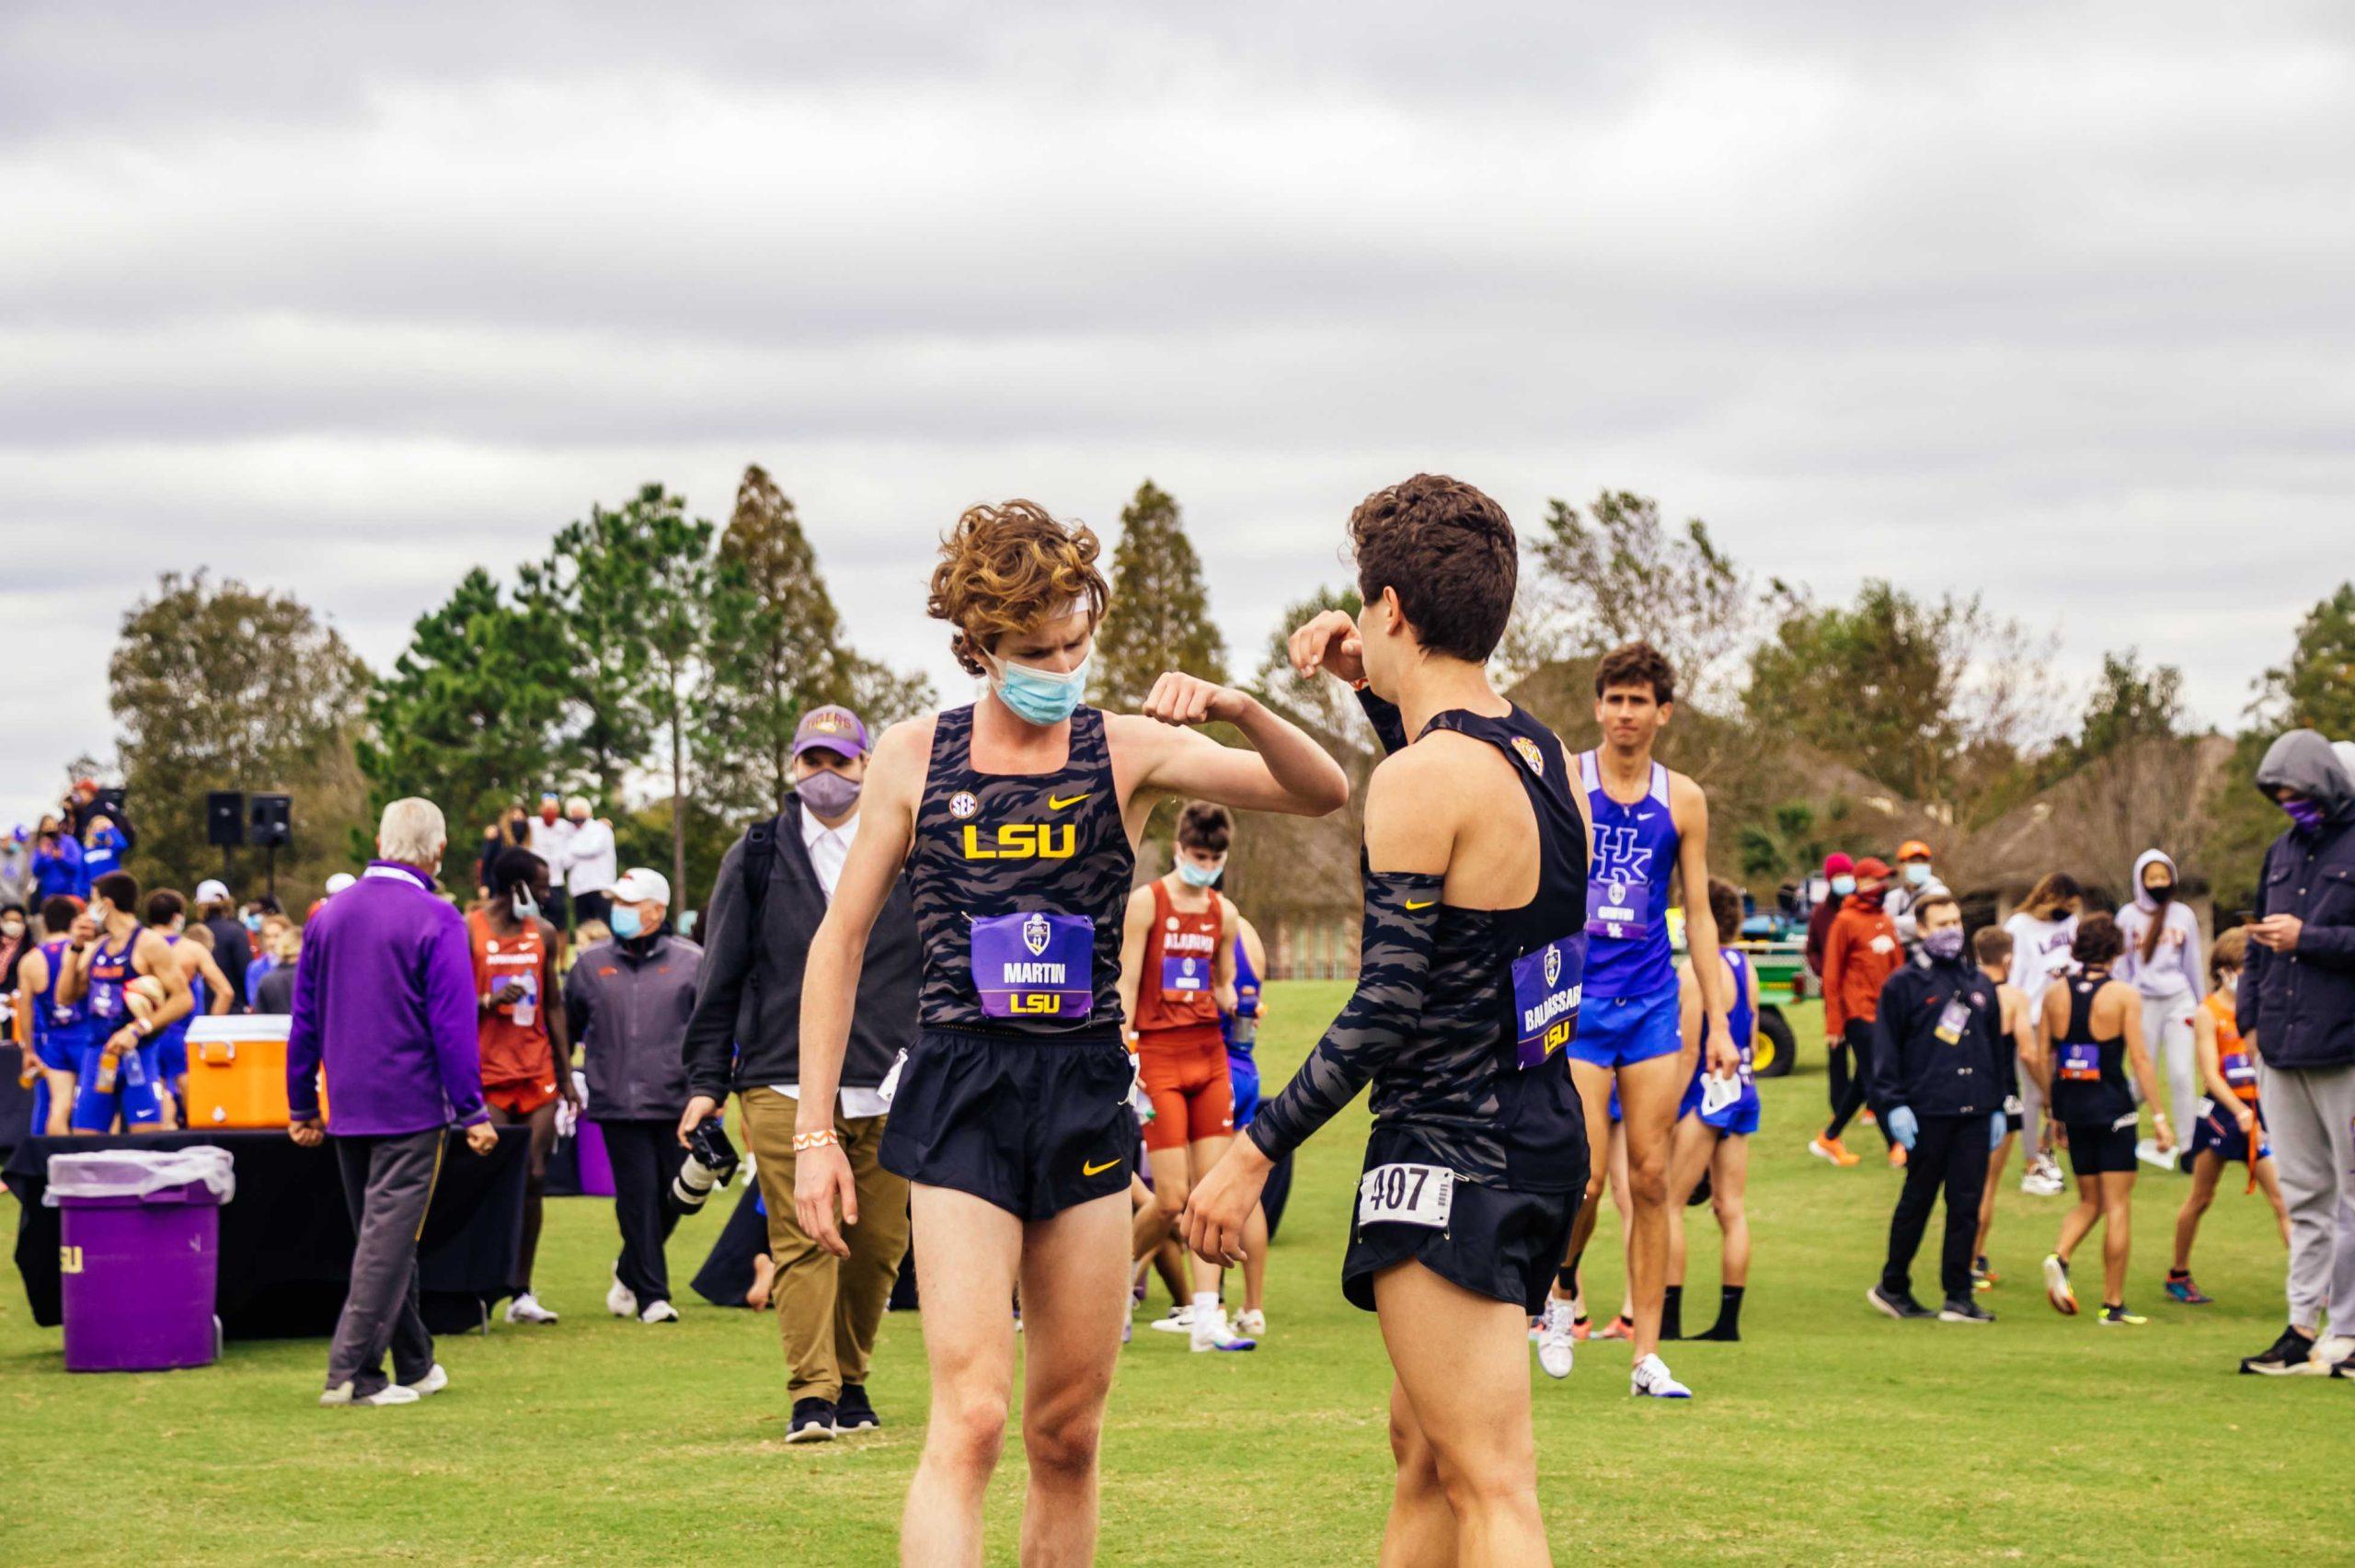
1651,1380
391,1393
1556,1347
621,1300
433,1382
659,1312
1213,1332
1179,1320
1251,1324
526,1309
2328,1352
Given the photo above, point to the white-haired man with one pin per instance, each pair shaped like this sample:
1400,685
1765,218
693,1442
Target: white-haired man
384,997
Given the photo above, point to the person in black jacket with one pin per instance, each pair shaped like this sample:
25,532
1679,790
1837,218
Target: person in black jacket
2297,1003
1938,1084
217,913
745,1036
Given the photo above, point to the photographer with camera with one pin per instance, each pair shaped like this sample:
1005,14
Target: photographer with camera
628,1002
773,889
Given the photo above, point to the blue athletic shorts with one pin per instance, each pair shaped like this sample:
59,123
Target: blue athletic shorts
137,1095
2217,1129
1621,1030
1243,1075
171,1053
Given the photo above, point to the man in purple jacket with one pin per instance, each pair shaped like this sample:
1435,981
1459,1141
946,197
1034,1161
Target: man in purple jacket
385,996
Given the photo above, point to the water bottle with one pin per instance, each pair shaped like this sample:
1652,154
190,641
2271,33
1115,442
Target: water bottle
527,1006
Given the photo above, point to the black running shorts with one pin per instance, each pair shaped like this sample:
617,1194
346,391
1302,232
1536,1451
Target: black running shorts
1033,1126
1500,1243
2101,1147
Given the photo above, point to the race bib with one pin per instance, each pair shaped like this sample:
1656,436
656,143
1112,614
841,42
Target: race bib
1406,1194
1034,965
1953,1019
1546,985
1190,976
1718,1093
1617,906
2239,1071
106,998
2081,1063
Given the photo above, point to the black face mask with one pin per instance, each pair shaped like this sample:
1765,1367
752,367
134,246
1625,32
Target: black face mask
2162,893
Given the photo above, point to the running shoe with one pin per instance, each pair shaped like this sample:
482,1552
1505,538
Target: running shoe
526,1309
2119,1317
1902,1306
1983,1276
812,1422
433,1382
1214,1333
2056,1285
1897,1157
620,1300
659,1312
391,1393
1251,1323
1556,1347
1621,1327
1832,1149
1179,1320
2289,1356
854,1412
1581,1326
1651,1380
2183,1292
1962,1310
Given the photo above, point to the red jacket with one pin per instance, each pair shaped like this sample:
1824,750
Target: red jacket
1861,953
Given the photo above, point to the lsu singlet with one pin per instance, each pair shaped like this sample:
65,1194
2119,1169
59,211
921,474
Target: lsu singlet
1021,885
1628,952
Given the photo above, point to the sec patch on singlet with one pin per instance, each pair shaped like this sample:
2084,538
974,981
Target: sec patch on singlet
962,805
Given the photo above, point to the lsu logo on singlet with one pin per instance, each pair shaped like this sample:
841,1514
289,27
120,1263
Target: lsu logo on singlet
1021,841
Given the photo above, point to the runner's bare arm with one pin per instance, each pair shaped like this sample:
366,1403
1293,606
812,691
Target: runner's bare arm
1282,769
1136,931
1690,810
216,984
1223,968
552,1008
152,955
2210,1063
2138,1055
825,1197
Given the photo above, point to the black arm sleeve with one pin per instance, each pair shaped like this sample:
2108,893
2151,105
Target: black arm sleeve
1389,723
1394,959
709,1046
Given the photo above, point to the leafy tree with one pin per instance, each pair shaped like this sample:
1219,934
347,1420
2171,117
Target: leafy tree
676,623
776,650
1790,842
2315,689
1160,618
467,716
224,686
2129,704
1935,700
1616,574
1322,703
591,588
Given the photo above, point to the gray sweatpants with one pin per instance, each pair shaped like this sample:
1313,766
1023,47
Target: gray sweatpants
2309,1118
387,1182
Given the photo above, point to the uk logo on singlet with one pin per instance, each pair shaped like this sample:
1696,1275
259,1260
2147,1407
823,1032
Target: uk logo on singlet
1618,895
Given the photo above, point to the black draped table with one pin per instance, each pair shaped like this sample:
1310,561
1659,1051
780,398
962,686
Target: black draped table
286,1238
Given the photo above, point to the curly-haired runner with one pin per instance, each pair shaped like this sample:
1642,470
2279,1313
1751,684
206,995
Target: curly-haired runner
1017,818
1474,865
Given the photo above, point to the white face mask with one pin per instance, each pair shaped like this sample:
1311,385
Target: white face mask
2230,984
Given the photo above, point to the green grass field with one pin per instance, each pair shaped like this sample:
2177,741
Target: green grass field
1830,1434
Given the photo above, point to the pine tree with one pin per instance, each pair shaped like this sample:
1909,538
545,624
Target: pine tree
1159,620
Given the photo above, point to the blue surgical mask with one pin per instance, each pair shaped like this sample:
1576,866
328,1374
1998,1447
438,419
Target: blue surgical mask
625,922
1844,885
1917,872
1041,696
1194,876
524,905
251,923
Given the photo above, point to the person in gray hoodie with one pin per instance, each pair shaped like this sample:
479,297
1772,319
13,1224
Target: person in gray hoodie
2296,1002
2163,962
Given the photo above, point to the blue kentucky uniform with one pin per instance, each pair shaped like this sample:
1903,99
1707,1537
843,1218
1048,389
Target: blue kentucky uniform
1630,1014
1016,1090
1241,1028
59,1030
1740,1117
136,1092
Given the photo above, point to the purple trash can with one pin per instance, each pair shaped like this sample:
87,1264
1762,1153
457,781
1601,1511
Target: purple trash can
589,1152
139,1275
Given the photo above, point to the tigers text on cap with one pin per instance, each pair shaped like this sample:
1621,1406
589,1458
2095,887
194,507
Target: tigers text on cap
829,728
638,883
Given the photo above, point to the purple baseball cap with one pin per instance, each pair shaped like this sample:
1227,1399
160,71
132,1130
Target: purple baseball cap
829,728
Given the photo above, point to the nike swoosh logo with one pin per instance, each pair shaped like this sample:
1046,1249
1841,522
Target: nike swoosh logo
1426,904
1086,1169
1057,802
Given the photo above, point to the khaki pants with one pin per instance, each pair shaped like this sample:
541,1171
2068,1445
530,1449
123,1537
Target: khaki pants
827,1308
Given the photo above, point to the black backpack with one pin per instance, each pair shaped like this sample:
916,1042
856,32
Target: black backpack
760,865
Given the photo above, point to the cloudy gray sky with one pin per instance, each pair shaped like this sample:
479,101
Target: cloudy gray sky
2046,300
